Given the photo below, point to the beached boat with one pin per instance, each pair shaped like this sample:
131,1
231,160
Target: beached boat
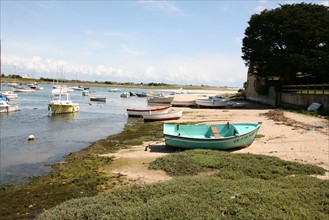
211,102
213,136
182,103
171,115
160,99
61,103
98,99
237,104
132,112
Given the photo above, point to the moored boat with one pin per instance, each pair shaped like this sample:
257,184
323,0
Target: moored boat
5,107
22,89
9,94
61,103
125,95
212,136
132,112
171,115
98,99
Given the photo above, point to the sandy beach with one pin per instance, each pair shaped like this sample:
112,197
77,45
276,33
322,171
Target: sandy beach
289,136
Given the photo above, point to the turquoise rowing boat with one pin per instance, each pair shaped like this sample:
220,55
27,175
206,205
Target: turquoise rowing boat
216,136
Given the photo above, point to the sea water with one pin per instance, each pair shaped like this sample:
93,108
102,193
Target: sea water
56,135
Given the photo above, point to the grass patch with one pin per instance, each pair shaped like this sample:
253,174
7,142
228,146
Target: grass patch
78,176
261,187
231,166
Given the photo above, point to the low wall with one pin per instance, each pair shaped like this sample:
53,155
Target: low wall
270,99
304,100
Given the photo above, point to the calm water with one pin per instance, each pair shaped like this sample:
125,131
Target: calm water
56,135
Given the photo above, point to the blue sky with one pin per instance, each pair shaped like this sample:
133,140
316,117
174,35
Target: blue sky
176,42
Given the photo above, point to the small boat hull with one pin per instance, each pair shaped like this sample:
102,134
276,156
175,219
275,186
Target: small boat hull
9,108
172,115
98,99
160,99
211,103
142,112
182,103
64,108
229,136
61,103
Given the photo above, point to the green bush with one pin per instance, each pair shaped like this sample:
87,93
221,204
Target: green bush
243,186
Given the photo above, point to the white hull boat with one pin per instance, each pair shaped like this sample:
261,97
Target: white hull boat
26,90
149,111
9,94
125,95
160,99
211,102
5,107
172,115
182,103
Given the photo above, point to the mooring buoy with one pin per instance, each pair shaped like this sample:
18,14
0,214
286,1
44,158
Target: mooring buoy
31,137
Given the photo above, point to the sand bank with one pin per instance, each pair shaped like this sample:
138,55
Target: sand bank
292,137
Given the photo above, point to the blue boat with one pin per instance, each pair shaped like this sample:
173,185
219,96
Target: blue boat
211,136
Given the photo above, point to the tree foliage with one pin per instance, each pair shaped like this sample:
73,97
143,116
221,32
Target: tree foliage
291,42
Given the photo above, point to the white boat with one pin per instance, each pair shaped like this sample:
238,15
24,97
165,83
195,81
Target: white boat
160,99
12,84
61,103
5,107
132,112
114,90
61,89
77,88
179,91
35,86
25,90
85,93
171,115
182,103
125,95
211,103
9,94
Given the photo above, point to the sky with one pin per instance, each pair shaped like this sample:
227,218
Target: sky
173,42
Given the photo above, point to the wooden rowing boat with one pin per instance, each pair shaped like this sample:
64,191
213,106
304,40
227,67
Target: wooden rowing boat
172,115
213,136
132,112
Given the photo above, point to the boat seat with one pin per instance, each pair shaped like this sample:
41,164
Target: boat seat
215,131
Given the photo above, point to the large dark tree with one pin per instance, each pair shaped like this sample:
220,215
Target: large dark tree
291,42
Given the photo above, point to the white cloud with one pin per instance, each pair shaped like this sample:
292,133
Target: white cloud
205,69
